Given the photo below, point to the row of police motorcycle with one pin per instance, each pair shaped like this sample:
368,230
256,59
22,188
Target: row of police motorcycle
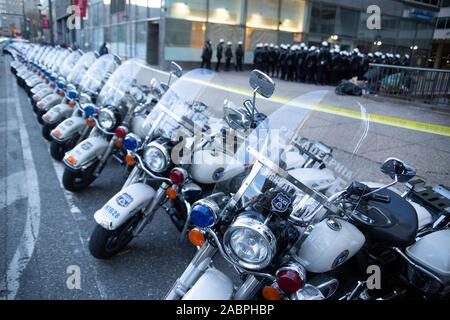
295,218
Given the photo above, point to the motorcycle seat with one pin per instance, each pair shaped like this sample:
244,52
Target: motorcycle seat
403,222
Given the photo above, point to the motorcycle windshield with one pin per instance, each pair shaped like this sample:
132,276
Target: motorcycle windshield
59,60
186,106
69,63
81,67
132,78
273,166
96,75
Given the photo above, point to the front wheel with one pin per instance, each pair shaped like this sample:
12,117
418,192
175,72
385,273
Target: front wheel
76,181
57,150
46,130
105,244
39,115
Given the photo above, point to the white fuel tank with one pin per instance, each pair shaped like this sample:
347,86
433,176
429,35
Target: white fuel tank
210,167
330,244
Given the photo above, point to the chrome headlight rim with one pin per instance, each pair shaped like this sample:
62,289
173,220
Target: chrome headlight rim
165,155
112,117
249,222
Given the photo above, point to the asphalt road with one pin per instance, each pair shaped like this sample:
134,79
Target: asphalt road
44,230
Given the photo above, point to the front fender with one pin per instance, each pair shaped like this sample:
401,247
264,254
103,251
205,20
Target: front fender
49,101
57,113
212,285
85,152
41,94
68,128
123,205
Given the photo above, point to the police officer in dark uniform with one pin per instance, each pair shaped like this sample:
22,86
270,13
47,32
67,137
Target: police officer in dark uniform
311,65
355,62
300,58
271,60
406,62
323,64
239,54
336,66
206,55
290,63
258,59
228,56
219,53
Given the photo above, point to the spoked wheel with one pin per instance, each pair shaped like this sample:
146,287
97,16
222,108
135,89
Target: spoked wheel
105,244
76,181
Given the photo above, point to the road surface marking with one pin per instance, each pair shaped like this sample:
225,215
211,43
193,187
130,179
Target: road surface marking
30,234
77,216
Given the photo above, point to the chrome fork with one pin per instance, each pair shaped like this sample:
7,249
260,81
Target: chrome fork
192,273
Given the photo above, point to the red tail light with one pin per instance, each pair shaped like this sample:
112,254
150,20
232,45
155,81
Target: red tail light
289,280
177,176
121,132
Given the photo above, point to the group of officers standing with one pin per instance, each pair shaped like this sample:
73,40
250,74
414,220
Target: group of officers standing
223,52
325,65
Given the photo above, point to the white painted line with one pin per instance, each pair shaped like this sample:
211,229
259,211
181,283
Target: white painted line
27,242
77,216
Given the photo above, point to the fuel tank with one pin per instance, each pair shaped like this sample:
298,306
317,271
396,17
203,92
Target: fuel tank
331,243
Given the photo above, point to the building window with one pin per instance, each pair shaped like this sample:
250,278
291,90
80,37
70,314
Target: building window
442,23
347,22
262,14
226,11
194,10
323,18
141,39
188,34
292,16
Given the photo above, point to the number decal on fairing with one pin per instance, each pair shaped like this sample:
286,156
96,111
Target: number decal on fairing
113,212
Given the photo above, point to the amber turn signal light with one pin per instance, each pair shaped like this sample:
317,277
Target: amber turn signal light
196,237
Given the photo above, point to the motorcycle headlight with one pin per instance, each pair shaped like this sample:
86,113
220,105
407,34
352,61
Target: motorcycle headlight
156,157
107,119
249,242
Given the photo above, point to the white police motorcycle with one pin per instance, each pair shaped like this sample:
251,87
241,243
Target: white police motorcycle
287,240
121,107
71,131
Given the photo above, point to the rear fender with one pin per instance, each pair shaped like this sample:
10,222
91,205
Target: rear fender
123,205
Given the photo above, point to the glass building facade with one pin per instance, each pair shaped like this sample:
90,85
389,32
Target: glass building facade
164,30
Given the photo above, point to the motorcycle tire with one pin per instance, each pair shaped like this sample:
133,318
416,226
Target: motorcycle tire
46,130
35,108
105,244
39,115
57,150
77,181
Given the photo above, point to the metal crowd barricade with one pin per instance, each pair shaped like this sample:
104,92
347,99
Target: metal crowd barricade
425,85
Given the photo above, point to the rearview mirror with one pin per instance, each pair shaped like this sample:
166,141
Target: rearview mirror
236,118
176,69
398,170
262,83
